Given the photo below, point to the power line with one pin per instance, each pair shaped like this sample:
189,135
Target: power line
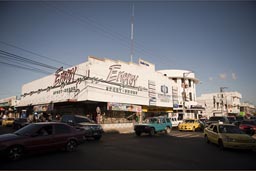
26,68
102,29
22,59
42,56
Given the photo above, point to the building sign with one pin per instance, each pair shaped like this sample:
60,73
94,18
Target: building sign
64,77
164,97
121,90
152,93
43,108
123,107
118,76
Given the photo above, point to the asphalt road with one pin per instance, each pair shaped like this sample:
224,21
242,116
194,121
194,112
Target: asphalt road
176,151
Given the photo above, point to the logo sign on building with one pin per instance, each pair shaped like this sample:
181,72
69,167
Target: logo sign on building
123,107
164,89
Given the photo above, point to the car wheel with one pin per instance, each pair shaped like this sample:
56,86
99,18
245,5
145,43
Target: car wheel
15,153
138,133
206,139
71,146
167,130
152,132
221,146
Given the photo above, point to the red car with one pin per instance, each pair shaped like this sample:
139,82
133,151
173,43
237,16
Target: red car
37,137
248,126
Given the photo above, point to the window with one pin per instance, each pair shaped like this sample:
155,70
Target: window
80,120
67,118
45,130
190,96
215,129
167,120
62,129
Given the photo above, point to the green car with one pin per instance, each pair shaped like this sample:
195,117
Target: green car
153,125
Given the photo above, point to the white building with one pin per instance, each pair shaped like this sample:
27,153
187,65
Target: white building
222,103
7,106
184,93
248,110
118,90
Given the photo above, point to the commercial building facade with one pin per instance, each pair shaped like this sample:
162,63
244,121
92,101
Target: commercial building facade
117,91
184,94
8,107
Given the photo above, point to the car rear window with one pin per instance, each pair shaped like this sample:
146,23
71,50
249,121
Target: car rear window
67,118
217,119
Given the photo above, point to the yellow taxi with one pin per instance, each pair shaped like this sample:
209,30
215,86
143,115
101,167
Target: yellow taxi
7,122
228,136
189,125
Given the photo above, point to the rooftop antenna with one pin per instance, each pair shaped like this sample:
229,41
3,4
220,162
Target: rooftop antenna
132,41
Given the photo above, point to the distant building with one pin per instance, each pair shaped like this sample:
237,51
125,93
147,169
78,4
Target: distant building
8,106
247,110
184,93
222,103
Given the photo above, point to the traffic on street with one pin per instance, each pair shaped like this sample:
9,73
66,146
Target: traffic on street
184,150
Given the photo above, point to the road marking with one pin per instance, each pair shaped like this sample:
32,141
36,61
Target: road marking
185,134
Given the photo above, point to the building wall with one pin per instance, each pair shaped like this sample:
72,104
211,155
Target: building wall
101,80
222,103
188,86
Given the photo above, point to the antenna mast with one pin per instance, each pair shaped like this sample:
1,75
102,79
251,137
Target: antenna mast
132,41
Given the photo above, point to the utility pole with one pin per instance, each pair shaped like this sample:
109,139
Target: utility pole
132,41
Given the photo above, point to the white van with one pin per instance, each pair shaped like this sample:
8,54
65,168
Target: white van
175,122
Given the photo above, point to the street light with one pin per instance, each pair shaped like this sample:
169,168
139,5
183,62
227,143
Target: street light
185,74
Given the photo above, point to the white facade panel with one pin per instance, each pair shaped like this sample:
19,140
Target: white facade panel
101,80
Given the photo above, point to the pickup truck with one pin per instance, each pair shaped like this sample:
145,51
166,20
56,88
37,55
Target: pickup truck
153,125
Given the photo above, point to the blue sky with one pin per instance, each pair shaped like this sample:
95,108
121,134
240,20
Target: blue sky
216,40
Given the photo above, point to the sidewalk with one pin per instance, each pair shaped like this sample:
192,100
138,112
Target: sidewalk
120,130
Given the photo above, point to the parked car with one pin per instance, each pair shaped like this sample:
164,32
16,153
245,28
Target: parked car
228,136
232,119
189,125
20,122
153,125
248,126
37,137
91,128
238,121
217,119
7,122
175,122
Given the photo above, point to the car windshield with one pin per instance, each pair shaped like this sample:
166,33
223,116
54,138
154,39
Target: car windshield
216,119
150,120
231,119
189,121
230,129
27,130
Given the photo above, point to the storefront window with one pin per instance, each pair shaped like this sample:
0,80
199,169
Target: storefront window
119,117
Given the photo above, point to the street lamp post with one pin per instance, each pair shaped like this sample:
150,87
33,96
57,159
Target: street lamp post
185,74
